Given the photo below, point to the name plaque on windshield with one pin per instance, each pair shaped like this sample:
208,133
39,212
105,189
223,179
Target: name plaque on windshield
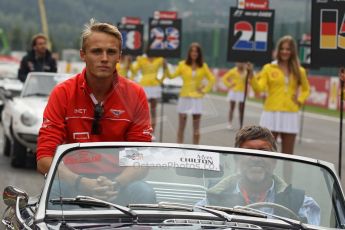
169,158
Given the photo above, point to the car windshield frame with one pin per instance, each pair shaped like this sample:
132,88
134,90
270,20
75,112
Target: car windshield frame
34,85
328,169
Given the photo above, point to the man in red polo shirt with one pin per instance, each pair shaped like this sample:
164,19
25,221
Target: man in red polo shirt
95,105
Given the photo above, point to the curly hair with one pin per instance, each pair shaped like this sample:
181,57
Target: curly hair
255,132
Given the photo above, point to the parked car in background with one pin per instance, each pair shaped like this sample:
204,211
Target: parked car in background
191,187
171,89
9,81
22,115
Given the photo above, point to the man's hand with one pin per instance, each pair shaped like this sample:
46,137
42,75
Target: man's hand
101,188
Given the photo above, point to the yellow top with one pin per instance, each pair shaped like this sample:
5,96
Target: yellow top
149,70
281,90
235,80
122,70
193,83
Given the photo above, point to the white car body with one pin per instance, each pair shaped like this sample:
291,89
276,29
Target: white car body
11,116
22,115
9,80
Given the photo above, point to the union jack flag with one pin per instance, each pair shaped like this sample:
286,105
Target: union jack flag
173,36
157,34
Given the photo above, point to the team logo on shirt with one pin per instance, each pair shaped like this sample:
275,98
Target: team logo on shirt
117,112
148,131
80,111
81,136
275,74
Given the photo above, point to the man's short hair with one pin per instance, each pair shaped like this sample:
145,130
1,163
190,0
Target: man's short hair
35,37
255,132
95,26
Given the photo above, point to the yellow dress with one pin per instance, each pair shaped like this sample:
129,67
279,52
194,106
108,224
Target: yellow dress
281,91
149,70
192,85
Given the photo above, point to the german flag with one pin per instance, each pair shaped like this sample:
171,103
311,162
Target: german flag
328,30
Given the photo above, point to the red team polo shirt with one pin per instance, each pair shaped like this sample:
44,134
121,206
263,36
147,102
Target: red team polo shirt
69,114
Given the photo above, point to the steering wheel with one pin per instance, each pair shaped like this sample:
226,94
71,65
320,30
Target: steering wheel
274,205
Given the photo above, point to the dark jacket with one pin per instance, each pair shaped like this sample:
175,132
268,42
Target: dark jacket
30,63
222,194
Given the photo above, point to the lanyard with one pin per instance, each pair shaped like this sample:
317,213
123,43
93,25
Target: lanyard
94,100
259,198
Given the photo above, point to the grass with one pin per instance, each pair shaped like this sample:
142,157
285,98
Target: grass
307,108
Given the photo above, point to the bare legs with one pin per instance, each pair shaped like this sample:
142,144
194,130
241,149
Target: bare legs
196,128
231,112
288,144
153,106
182,125
182,120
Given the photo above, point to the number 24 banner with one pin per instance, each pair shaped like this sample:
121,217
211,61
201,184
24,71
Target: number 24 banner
165,38
250,35
328,33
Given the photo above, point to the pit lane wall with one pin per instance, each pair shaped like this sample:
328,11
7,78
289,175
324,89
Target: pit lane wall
324,90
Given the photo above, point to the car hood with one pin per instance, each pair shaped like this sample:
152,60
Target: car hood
11,84
35,105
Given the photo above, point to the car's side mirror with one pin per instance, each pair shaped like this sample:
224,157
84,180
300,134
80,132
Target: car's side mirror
5,94
8,94
11,195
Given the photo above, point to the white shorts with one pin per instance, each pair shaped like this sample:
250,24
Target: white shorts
189,105
153,92
235,96
282,122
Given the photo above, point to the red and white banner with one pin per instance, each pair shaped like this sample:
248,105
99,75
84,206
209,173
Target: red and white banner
165,15
130,21
253,4
319,91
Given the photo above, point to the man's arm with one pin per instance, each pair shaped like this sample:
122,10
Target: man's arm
53,65
43,164
23,69
140,129
52,132
130,174
310,210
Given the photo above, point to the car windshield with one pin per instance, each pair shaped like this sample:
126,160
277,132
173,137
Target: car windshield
41,84
198,177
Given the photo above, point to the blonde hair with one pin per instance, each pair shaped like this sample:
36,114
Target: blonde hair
293,63
95,26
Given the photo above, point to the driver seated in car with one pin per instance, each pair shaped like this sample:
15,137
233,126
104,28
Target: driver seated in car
256,183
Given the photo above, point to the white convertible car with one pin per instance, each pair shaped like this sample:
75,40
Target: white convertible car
178,187
22,115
